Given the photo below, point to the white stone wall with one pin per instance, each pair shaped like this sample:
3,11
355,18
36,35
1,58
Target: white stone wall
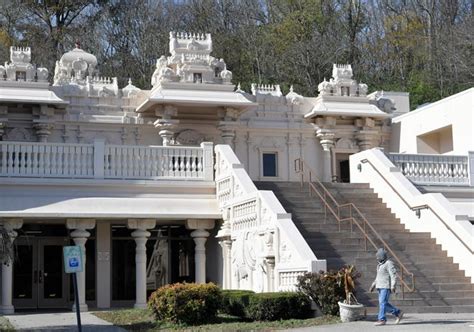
456,111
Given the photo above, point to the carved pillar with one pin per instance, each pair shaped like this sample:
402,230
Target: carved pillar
326,138
79,235
6,307
200,236
367,139
227,129
3,124
141,235
3,119
228,124
224,236
269,258
43,129
166,124
367,136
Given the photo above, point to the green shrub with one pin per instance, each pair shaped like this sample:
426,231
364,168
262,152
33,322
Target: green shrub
276,306
235,301
191,304
326,289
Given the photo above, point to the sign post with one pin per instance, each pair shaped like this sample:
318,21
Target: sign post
73,264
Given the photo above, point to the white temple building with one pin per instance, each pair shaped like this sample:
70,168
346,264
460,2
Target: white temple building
157,186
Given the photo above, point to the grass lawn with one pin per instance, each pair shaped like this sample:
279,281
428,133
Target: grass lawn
142,320
5,325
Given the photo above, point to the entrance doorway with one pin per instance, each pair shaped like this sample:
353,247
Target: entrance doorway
39,280
344,171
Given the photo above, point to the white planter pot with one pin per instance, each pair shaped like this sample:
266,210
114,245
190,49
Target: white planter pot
351,312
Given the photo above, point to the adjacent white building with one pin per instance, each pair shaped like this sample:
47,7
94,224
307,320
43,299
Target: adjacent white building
157,185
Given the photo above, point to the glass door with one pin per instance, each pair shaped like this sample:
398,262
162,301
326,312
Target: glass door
39,280
25,274
52,279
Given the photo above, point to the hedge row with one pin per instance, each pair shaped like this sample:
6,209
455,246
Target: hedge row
194,304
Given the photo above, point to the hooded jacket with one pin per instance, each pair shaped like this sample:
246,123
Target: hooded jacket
386,272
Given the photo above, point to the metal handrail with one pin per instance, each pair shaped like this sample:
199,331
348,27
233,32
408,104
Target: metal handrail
335,209
418,207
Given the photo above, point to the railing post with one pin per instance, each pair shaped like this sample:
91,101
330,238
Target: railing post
208,161
99,154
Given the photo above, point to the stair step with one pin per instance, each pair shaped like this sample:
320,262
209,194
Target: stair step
440,285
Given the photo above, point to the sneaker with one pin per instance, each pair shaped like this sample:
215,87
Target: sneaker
399,317
380,323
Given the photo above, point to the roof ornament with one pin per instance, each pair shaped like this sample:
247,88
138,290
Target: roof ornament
239,89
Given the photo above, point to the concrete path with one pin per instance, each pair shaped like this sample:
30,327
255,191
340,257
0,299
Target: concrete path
410,322
60,322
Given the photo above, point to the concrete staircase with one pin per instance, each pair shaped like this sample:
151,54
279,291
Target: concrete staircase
440,285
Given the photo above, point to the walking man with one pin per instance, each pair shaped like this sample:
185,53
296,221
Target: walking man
385,283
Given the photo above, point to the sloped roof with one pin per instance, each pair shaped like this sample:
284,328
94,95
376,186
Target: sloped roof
346,109
215,97
27,95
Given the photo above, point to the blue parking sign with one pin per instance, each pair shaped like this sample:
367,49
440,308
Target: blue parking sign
72,259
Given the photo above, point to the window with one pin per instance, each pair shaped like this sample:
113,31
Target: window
269,164
197,78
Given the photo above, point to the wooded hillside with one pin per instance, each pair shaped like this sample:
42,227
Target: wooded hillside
424,47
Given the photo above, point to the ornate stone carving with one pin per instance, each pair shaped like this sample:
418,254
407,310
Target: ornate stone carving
19,134
189,137
346,143
326,138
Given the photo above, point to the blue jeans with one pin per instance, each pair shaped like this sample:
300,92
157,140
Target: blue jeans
384,306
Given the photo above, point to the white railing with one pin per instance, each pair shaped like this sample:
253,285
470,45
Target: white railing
419,212
433,169
25,159
140,162
268,252
101,161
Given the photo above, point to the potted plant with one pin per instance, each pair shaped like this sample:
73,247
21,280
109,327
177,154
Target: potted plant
350,309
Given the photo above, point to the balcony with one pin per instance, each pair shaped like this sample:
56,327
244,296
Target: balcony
427,169
103,161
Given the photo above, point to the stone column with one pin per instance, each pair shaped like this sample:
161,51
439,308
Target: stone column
43,129
367,139
367,135
141,235
166,124
326,138
225,242
6,307
79,235
269,258
3,124
200,236
3,119
227,126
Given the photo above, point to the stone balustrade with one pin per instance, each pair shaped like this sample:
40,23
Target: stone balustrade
433,169
101,161
262,248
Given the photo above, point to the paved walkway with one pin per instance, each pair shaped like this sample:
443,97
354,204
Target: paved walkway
410,322
66,321
60,322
